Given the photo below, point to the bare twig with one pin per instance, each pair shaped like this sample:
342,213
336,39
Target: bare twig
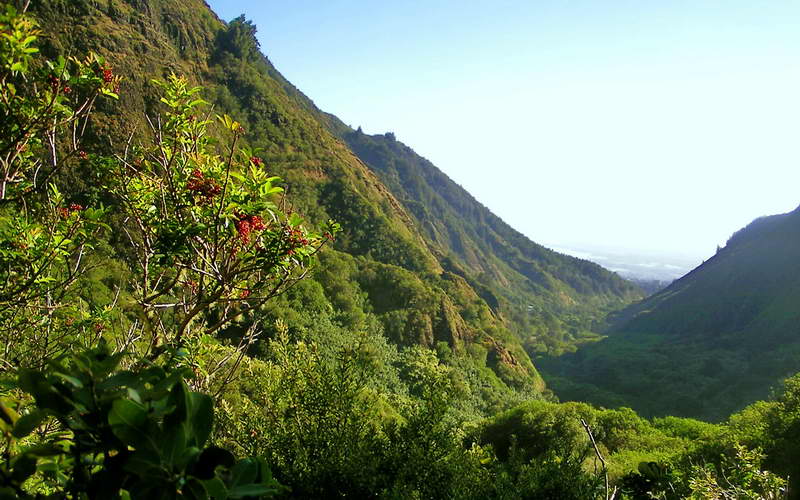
609,494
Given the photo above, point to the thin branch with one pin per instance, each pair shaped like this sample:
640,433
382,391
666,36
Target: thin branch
609,495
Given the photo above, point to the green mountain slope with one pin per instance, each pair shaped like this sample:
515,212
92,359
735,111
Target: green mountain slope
713,341
390,269
554,301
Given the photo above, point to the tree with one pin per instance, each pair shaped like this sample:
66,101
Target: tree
240,39
206,242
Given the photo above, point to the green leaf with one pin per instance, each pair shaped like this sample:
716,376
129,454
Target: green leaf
45,450
8,417
179,398
216,488
165,386
189,456
35,384
134,394
194,489
32,381
244,473
172,445
252,490
24,467
118,380
295,220
143,463
127,419
201,416
69,379
27,423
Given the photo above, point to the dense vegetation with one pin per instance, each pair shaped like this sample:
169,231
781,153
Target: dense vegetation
173,328
713,342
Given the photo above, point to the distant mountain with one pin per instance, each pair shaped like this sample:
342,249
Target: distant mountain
635,265
650,286
711,342
418,258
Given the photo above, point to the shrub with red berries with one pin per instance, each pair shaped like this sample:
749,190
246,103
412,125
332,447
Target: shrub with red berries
205,226
44,240
204,188
246,224
65,212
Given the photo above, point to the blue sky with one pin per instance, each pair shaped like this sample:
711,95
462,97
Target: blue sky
654,126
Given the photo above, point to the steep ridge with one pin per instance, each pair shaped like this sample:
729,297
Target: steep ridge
390,268
553,300
713,341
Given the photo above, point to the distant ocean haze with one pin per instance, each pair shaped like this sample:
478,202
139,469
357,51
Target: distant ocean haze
634,264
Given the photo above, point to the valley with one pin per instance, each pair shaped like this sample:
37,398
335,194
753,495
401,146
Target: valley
211,288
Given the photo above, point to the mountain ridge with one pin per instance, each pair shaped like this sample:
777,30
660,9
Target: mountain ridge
385,268
720,337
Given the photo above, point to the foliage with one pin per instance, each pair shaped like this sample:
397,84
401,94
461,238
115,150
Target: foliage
106,431
206,237
142,432
397,370
43,237
303,146
739,478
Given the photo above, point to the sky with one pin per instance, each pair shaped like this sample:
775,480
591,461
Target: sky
653,126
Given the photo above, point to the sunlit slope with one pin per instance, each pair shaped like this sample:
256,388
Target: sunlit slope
713,341
553,300
390,268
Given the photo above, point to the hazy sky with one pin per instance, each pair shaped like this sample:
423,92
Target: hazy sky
651,125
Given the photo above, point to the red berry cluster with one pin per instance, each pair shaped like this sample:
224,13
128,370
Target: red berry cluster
66,212
244,293
247,224
202,186
295,238
255,160
56,83
108,74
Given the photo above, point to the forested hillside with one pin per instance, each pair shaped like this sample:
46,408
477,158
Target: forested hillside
211,289
713,341
391,264
553,301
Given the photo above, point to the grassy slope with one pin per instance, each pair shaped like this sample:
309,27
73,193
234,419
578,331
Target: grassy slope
712,342
387,265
